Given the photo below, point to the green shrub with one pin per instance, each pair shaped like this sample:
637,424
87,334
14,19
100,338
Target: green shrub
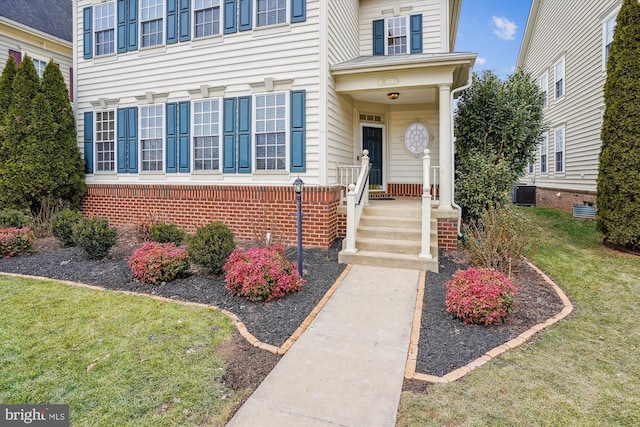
94,237
62,225
158,262
483,297
498,238
12,218
211,246
162,232
15,241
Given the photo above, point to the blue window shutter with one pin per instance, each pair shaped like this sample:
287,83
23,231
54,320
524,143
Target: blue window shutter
184,134
132,140
172,21
87,32
132,24
298,131
172,137
298,10
122,25
230,16
122,140
229,135
416,33
185,20
378,37
244,134
88,142
245,18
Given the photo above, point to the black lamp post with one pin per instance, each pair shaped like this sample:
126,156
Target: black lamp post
298,186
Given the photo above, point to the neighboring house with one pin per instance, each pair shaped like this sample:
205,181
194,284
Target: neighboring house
565,47
42,29
199,110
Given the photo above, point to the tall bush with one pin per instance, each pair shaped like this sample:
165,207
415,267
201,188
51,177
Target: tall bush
6,87
618,198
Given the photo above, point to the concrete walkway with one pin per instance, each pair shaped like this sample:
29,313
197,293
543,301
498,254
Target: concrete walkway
347,368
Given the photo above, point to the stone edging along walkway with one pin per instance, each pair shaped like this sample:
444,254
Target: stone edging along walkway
410,370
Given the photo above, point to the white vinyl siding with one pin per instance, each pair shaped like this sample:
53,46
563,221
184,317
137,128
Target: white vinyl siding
151,22
559,150
271,12
104,28
105,141
544,154
402,166
544,88
152,138
559,80
271,128
206,18
206,135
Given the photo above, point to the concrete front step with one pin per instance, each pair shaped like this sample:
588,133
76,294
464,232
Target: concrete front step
384,221
392,260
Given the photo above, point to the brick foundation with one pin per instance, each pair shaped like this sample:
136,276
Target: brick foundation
548,197
448,233
249,211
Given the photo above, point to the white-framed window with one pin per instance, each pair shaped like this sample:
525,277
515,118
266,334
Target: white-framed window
608,26
40,66
271,12
105,138
396,39
206,134
559,80
416,138
544,154
544,88
206,18
559,152
271,118
104,28
152,137
151,22
531,168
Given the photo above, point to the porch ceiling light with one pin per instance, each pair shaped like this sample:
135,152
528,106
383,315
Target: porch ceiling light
393,95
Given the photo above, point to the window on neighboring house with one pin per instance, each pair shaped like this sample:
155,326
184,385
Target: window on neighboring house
271,131
396,35
206,135
104,28
544,154
40,66
271,12
151,22
559,78
608,27
559,137
532,168
206,18
151,137
105,141
544,87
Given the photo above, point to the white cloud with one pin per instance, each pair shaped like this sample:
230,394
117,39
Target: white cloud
503,28
480,61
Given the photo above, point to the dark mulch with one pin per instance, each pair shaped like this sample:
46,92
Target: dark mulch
445,343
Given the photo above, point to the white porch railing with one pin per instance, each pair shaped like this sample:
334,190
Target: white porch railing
425,247
357,198
435,182
347,174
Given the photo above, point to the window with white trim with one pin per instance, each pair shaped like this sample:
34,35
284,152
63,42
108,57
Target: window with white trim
105,141
396,31
607,37
40,66
544,88
271,131
104,28
271,12
559,78
206,135
544,153
152,137
206,18
532,167
151,22
559,152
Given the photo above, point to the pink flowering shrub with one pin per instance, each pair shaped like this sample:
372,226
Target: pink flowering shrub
261,274
158,262
481,296
16,241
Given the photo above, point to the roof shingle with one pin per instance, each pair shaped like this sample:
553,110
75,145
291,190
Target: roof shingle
53,17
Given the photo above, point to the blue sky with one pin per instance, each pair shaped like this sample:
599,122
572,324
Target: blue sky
493,29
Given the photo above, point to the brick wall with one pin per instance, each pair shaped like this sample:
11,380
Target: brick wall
548,197
448,233
249,211
407,190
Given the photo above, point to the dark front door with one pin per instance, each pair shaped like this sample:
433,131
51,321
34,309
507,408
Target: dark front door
372,141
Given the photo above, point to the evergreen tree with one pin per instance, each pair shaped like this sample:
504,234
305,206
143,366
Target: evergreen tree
618,199
69,171
498,126
6,90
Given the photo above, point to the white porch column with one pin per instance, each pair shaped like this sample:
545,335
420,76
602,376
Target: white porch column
445,131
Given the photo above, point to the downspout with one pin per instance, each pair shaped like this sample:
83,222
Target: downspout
453,175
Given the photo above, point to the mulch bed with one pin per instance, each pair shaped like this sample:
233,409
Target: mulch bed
445,343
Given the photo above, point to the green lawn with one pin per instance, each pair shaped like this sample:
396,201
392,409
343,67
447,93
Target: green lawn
582,371
115,359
